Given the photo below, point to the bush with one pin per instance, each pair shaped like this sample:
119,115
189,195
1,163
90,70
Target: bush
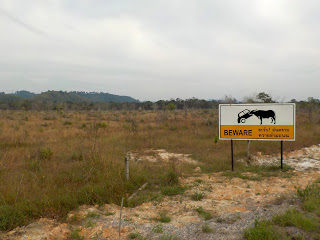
262,230
207,229
168,237
77,156
206,215
157,229
171,106
67,123
17,215
75,234
135,236
292,217
34,164
310,197
172,178
197,196
100,125
164,218
46,153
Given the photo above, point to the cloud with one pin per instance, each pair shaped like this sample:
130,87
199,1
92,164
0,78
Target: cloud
162,49
21,23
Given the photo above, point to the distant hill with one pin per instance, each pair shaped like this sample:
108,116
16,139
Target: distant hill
104,97
60,96
24,94
8,97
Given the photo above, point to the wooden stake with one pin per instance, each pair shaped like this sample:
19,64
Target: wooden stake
126,167
120,218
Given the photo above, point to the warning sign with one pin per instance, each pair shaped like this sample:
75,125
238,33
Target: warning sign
257,121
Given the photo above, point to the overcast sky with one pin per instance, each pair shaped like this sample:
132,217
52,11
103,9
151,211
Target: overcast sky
163,49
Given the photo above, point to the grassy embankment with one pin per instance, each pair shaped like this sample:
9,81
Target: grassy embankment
51,162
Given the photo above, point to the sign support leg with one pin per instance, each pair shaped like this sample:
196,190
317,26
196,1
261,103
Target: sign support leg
281,154
232,154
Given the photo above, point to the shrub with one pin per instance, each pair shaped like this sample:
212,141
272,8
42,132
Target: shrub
34,164
207,229
206,215
77,156
100,125
90,224
199,181
67,123
157,229
46,153
295,218
93,215
310,197
172,178
75,234
171,106
168,237
197,196
262,230
164,218
135,236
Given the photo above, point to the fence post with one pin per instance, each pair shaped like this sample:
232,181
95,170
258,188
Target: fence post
120,218
126,167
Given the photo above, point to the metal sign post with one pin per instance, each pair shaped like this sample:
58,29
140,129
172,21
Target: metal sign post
281,154
232,154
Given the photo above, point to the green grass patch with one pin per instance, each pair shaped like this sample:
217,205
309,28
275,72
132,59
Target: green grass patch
310,197
109,213
144,197
204,214
197,196
135,235
258,173
172,190
46,153
263,230
90,224
157,229
199,181
164,218
206,229
295,218
171,177
93,215
168,237
75,234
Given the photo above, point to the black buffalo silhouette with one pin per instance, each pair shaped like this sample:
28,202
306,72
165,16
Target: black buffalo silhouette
260,114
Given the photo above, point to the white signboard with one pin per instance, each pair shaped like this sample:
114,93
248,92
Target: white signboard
265,121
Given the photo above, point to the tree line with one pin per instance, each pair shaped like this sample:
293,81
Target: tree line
62,103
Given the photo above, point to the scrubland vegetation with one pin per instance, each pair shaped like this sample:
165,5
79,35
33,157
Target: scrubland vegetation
53,161
304,220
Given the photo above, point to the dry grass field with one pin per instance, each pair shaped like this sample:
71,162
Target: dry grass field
53,161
